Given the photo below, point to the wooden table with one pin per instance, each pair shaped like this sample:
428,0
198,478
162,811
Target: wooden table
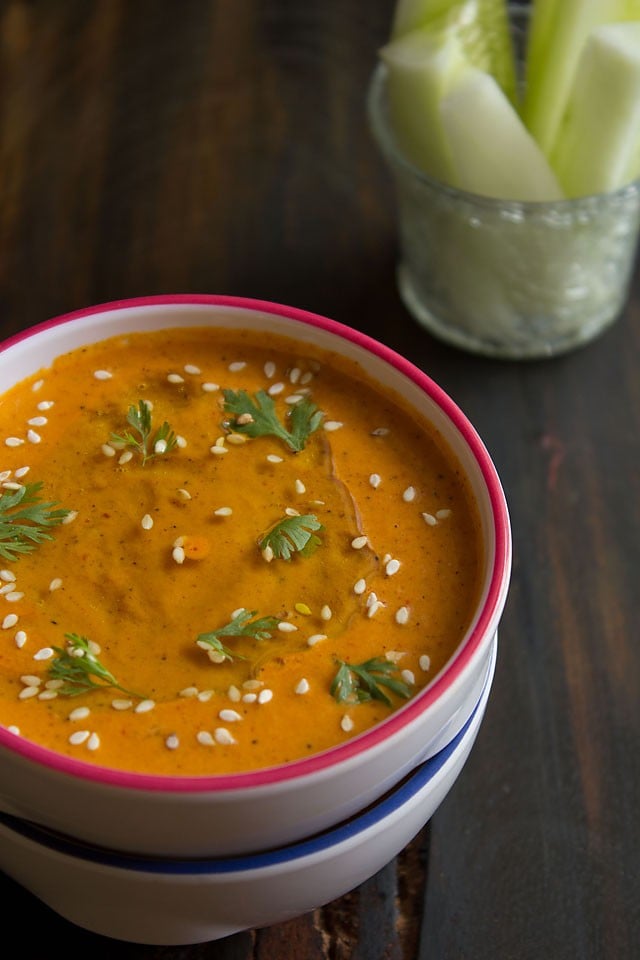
154,146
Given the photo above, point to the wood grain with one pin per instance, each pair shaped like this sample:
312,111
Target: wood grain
222,147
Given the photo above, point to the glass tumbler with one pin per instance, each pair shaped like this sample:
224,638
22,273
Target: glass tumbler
503,278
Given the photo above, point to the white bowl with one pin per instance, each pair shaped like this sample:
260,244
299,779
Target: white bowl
248,812
169,902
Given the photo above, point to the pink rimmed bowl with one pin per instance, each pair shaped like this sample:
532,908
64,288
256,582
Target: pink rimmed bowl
256,811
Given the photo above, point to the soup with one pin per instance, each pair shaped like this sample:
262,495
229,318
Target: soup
221,552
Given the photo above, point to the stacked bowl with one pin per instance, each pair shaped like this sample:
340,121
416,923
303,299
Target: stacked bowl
159,859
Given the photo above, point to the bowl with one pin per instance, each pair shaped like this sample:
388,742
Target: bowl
176,901
258,810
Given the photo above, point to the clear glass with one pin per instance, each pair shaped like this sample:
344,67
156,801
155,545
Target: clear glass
504,278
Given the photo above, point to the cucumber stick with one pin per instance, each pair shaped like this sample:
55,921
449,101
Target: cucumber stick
491,151
598,145
557,34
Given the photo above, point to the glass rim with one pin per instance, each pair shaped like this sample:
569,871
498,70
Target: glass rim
383,134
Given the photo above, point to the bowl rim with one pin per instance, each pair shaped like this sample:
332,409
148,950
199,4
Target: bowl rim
412,789
486,621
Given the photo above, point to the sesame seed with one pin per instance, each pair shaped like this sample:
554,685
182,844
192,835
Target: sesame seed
13,442
7,588
244,419
394,656
326,613
13,729
234,694
8,576
275,389
294,374
375,480
425,662
392,567
380,432
409,494
272,458
160,446
316,638
290,512
9,621
229,716
12,485
172,742
237,366
108,450
331,425
175,378
125,457
192,369
372,598
216,656
178,554
218,449
184,494
122,704
45,404
373,609
269,369
180,441
145,706
44,653
306,377
402,615
205,739
93,743
293,398
429,519
252,684
210,387
360,586
20,639
28,692
268,554
249,697
408,677
302,686
188,692
347,724
54,684
440,514
79,713
55,584
37,421
303,609
147,522
5,475
37,385
223,736
265,696
300,487
285,627
21,471
30,680
70,517
236,439
223,512
79,737
359,542
102,374
204,696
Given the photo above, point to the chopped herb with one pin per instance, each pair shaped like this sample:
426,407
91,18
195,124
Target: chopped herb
258,418
358,683
24,519
77,666
292,534
139,418
241,625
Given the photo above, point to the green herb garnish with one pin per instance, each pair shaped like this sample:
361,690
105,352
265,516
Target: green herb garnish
290,535
139,418
77,666
360,682
258,418
24,519
240,625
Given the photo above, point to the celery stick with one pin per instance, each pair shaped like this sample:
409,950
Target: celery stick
598,146
420,67
557,33
482,27
492,152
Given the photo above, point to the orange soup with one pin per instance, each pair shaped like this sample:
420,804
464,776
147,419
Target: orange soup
220,552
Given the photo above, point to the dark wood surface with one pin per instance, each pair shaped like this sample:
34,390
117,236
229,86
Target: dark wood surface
155,146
